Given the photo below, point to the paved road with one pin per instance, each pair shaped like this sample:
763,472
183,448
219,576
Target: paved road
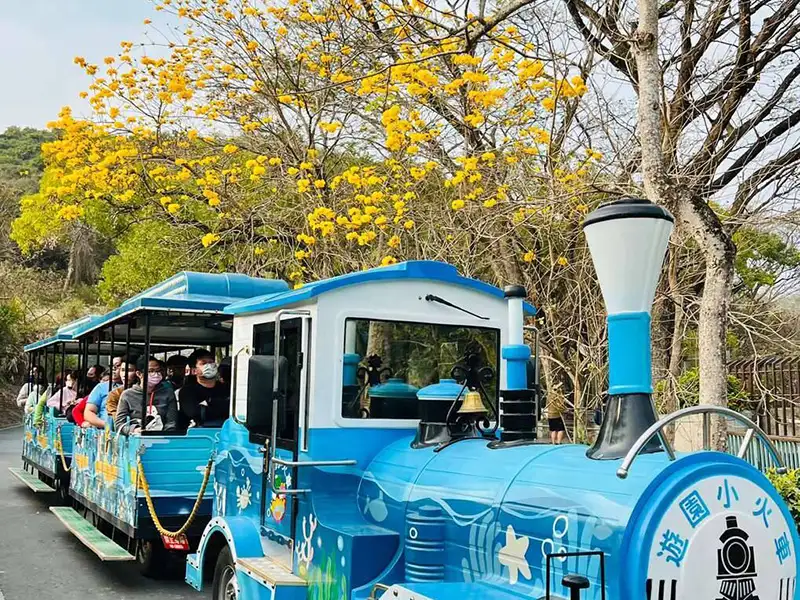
40,560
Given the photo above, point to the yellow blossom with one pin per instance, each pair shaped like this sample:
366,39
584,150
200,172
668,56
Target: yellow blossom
394,241
457,204
388,260
209,239
529,256
562,261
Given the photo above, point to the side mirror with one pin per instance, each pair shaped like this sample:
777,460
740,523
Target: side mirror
260,377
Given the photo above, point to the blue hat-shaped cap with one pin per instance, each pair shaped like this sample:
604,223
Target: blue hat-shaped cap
446,390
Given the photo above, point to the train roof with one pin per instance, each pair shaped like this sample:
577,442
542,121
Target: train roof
417,269
190,292
186,292
65,333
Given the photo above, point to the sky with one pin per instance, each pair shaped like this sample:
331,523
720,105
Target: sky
40,38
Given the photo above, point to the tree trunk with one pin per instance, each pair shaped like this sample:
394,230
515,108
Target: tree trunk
712,338
700,218
70,266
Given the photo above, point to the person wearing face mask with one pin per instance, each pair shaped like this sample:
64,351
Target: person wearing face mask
66,396
204,399
95,413
161,406
176,370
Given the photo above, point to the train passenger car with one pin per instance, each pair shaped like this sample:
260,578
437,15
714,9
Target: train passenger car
47,434
383,447
146,494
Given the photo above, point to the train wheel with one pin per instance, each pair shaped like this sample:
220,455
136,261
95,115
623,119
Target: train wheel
149,557
224,586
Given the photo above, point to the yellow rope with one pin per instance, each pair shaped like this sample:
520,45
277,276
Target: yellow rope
60,448
152,509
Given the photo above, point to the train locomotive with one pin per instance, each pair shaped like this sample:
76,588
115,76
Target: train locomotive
383,446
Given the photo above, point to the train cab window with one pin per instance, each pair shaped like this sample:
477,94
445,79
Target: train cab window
290,349
387,362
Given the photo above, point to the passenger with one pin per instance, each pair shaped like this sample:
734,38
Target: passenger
95,411
176,370
78,412
94,374
39,389
113,397
191,364
204,401
69,396
28,386
162,406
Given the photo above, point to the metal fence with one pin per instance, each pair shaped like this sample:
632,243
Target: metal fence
773,387
758,455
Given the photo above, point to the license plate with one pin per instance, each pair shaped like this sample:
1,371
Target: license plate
177,543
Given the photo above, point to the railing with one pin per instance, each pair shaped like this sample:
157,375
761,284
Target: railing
706,411
758,456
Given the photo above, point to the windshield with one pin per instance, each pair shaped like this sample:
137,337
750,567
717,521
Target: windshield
387,362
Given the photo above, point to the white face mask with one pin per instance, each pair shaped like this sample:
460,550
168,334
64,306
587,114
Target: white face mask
153,379
209,370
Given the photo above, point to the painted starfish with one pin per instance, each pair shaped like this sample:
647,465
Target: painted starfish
512,555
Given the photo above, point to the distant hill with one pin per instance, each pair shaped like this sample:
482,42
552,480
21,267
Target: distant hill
21,163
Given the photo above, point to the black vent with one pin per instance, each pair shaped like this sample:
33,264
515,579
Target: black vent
518,415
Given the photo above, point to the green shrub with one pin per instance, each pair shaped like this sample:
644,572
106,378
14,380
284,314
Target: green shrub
788,486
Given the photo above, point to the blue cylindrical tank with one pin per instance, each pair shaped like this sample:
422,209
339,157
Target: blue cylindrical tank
424,545
394,399
510,511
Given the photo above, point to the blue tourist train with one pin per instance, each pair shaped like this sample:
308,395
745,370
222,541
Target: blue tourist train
382,444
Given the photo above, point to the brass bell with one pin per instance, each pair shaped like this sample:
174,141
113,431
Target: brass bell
472,404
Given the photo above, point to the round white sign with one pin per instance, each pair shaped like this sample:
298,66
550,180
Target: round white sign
723,539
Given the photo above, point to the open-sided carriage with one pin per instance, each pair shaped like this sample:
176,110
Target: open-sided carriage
47,437
140,496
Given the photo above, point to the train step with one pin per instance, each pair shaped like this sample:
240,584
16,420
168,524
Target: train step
271,580
102,546
30,480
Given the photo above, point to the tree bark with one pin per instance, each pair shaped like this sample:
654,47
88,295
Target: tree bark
703,224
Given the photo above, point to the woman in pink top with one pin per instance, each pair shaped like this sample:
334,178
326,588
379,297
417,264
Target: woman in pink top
57,401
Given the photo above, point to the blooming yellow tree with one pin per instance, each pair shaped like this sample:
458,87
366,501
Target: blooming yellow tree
303,139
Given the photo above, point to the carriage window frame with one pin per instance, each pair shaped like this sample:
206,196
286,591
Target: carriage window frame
497,366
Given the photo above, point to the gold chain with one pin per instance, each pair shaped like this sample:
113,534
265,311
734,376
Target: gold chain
152,509
60,448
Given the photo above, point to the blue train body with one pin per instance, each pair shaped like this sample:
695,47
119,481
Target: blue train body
472,519
46,443
104,476
329,483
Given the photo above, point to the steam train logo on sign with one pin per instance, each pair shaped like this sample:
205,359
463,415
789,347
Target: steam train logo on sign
755,557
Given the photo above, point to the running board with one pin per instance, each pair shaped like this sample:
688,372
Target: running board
30,480
264,578
102,546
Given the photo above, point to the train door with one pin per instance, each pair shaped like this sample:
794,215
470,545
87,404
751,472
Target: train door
278,510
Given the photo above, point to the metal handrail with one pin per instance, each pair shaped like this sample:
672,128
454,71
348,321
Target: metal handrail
705,410
234,379
276,353
316,463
